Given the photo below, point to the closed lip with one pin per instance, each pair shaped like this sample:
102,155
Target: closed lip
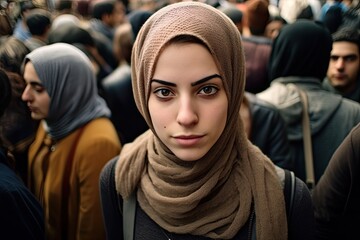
188,140
340,76
32,109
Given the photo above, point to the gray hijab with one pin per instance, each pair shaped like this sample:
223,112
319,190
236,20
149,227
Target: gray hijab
66,74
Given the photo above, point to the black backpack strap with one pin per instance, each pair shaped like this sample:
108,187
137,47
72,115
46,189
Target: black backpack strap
129,209
289,192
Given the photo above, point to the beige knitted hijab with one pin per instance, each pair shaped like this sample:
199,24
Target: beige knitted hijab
210,197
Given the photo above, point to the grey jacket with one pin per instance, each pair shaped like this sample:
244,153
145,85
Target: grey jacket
331,118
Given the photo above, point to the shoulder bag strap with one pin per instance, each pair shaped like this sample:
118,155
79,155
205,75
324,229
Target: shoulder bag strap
309,163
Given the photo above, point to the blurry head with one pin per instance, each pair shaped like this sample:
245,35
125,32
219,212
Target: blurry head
64,5
110,12
188,77
126,33
70,33
12,53
25,7
137,18
301,49
234,14
123,42
344,66
333,18
273,27
38,21
78,37
257,15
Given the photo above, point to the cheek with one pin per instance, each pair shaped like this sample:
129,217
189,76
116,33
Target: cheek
355,68
159,117
45,103
221,114
217,115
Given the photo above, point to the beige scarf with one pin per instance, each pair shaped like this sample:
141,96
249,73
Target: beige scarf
210,197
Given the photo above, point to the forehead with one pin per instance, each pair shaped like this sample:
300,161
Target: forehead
345,48
30,74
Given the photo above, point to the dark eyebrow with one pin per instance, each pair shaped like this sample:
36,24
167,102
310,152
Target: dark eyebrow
192,84
164,82
35,84
206,79
351,55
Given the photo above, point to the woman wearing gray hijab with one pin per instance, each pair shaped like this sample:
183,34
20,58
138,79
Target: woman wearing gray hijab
73,142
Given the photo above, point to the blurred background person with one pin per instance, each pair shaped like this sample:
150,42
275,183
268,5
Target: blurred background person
343,74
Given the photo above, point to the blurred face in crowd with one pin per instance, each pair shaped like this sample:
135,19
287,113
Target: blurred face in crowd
272,28
36,96
344,66
187,103
118,15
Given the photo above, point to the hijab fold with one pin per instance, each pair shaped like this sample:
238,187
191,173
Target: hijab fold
212,196
67,75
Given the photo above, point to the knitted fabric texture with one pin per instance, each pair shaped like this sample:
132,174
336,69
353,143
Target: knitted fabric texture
212,196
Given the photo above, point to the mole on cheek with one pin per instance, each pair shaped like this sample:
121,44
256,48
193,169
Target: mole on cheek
164,126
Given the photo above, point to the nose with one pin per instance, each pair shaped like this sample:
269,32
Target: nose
340,63
26,95
187,113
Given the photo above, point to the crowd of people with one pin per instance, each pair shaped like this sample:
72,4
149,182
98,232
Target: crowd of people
168,119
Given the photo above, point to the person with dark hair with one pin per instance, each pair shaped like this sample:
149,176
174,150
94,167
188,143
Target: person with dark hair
82,39
18,127
333,18
21,30
233,13
12,53
343,74
332,3
106,16
194,174
64,6
21,215
38,22
298,64
274,26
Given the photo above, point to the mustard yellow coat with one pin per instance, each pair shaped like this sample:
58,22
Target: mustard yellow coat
97,144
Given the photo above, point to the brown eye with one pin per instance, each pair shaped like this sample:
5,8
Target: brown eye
208,90
163,93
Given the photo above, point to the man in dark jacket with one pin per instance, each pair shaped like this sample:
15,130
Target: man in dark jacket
344,68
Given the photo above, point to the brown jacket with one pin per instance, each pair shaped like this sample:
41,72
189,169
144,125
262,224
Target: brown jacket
97,143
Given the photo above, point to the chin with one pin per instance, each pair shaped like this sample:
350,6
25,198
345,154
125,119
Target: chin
188,155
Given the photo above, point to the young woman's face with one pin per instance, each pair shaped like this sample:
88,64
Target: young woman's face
36,96
188,104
